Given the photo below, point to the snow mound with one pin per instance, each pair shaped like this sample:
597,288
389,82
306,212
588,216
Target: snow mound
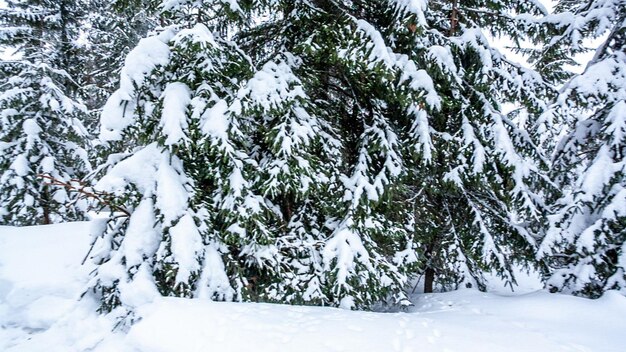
41,277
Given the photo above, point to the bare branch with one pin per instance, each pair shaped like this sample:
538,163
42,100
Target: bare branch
75,185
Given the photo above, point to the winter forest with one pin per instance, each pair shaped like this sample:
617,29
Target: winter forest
319,152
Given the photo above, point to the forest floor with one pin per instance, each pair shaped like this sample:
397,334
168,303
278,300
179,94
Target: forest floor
41,279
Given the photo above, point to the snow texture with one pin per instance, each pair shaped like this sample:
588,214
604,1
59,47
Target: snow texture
39,311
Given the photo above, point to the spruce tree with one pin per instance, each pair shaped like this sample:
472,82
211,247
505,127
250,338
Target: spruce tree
41,130
183,146
112,29
253,142
301,131
585,247
474,173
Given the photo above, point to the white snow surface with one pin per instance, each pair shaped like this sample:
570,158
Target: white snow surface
41,279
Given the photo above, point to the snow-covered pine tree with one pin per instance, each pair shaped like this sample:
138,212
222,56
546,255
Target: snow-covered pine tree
356,253
289,144
253,143
342,141
473,181
112,29
41,132
184,178
351,80
586,242
378,75
391,74
287,123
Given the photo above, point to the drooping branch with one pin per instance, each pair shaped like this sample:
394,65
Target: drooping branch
75,185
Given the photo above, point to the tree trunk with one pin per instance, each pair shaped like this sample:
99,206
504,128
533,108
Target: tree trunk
454,17
46,206
429,279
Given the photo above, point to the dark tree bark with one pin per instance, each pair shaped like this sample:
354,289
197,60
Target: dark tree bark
429,279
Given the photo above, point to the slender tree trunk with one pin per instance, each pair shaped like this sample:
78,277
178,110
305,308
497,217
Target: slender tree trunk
46,216
429,273
65,38
287,205
454,17
429,279
46,206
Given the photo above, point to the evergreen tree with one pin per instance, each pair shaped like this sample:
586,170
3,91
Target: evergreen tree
300,131
251,154
474,173
112,29
586,242
172,106
41,121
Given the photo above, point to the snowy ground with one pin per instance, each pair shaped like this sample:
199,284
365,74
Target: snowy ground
41,279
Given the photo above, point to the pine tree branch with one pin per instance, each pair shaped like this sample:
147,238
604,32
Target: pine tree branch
100,197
